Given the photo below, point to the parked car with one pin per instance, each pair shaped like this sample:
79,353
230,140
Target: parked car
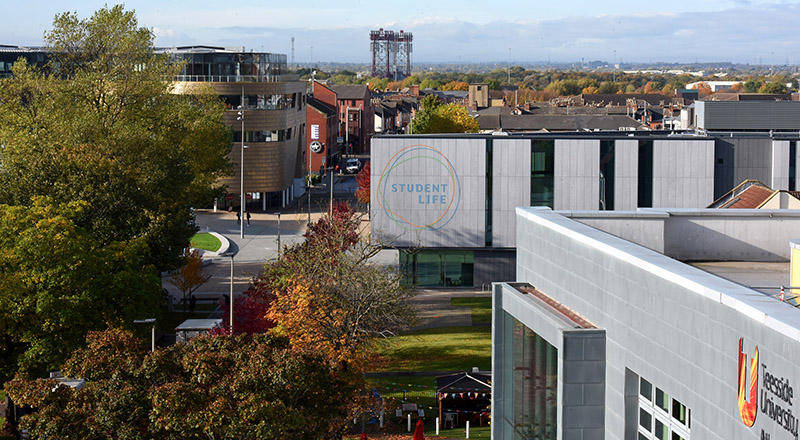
353,166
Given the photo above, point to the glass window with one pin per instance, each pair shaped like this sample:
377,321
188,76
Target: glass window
792,165
679,411
646,390
542,166
431,268
607,175
533,370
645,420
662,432
645,183
662,400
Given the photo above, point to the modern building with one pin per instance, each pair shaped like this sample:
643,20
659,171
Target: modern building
715,86
36,56
606,333
448,202
273,106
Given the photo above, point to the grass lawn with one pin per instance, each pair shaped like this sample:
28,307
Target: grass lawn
206,241
481,307
439,349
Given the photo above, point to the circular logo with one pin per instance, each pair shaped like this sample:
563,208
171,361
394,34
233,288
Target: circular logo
316,147
419,188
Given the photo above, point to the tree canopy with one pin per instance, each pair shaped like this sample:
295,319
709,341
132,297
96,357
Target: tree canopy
57,281
436,117
99,123
213,387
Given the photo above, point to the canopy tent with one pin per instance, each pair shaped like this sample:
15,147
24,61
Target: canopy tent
467,393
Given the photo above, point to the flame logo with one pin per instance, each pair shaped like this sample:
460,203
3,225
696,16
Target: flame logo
748,409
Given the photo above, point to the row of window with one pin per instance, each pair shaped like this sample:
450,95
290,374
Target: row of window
661,417
262,102
263,135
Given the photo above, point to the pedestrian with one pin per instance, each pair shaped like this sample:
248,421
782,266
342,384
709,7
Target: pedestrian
238,217
248,218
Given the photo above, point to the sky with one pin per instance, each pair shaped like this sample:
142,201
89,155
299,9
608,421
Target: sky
680,31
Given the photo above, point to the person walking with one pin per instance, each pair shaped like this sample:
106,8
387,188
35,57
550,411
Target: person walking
248,217
238,217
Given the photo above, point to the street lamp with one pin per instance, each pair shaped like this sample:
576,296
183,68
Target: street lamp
152,322
241,174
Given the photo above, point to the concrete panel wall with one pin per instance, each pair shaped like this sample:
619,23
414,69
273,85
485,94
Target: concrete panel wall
753,160
702,235
780,165
409,178
577,174
675,325
511,188
748,115
683,173
626,170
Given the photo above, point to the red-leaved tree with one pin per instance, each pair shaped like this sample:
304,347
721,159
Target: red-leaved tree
363,182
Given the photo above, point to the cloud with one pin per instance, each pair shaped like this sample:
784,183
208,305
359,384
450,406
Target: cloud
163,32
742,33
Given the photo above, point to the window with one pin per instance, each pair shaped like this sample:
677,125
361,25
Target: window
606,175
662,418
542,171
792,165
432,268
645,184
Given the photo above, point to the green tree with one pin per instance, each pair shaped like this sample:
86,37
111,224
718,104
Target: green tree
437,117
607,88
752,86
101,124
242,387
57,282
429,83
773,87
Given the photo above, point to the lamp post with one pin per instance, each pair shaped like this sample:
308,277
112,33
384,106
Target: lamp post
152,322
241,173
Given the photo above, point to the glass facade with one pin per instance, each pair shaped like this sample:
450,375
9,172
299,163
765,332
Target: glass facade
217,65
261,102
530,393
263,135
542,172
432,268
792,165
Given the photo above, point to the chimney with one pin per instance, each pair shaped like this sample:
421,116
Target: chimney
414,90
527,106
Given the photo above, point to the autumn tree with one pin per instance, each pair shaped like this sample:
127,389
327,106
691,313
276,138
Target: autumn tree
436,117
57,281
190,276
456,86
242,387
363,182
100,123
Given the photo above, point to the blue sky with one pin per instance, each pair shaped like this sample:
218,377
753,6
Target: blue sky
745,31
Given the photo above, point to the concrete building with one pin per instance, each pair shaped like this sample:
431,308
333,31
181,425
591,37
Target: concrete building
274,109
607,334
715,86
448,202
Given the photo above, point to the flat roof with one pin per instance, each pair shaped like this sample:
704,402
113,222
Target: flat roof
764,277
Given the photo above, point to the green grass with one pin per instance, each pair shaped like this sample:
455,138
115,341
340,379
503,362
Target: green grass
206,241
439,349
481,307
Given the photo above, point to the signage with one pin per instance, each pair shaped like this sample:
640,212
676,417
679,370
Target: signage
248,196
419,188
229,197
316,147
339,140
314,131
776,397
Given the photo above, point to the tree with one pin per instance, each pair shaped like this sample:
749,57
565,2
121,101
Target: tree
57,282
773,87
190,276
752,86
363,182
326,297
100,124
430,84
211,387
456,85
444,118
607,88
